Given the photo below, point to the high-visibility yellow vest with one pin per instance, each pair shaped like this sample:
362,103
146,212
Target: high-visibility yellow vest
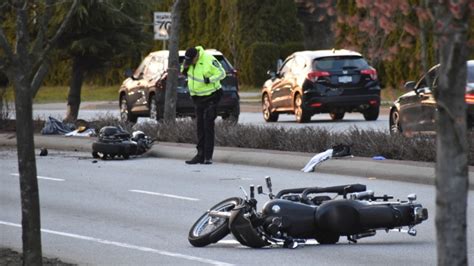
207,66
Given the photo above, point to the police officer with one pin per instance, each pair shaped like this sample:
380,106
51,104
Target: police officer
204,74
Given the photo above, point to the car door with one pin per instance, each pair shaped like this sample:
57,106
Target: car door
417,109
282,85
292,79
135,84
153,72
429,106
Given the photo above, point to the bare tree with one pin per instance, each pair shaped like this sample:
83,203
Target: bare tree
173,66
25,64
451,163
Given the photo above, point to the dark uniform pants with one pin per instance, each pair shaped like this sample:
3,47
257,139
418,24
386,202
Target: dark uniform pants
206,113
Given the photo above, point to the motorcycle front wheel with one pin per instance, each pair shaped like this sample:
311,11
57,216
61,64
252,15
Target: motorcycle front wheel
207,230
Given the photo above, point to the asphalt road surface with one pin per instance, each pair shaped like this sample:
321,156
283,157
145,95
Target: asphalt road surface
139,211
250,114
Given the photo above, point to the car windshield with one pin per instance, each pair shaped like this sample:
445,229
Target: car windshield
340,63
225,64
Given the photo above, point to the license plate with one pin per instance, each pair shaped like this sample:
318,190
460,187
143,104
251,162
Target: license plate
345,79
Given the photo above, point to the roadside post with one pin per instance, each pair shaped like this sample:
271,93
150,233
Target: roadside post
161,26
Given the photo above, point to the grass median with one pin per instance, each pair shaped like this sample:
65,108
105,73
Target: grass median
364,143
53,94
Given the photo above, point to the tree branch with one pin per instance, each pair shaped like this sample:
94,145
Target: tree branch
43,24
40,74
22,34
5,45
52,42
3,63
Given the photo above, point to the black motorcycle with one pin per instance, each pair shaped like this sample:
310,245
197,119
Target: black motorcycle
115,142
293,216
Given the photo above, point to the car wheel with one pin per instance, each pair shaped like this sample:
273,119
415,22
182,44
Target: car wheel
125,114
268,115
233,115
300,114
395,122
154,109
372,113
337,116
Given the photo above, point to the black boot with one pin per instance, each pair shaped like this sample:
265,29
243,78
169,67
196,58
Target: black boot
197,159
207,161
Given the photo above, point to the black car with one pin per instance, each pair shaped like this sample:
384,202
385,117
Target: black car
143,92
323,81
415,111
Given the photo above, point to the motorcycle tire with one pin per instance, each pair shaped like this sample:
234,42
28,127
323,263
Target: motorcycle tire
327,238
206,231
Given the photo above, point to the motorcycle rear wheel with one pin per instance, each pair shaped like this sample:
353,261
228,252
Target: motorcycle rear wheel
327,238
207,230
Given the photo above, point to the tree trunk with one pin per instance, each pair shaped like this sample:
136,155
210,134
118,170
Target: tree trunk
451,153
74,94
30,205
173,66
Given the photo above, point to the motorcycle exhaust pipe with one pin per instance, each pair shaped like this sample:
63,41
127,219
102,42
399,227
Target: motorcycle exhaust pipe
225,215
362,235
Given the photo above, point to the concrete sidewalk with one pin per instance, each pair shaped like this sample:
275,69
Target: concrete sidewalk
407,171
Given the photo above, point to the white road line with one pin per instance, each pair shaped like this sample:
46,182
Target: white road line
162,195
130,246
235,242
45,178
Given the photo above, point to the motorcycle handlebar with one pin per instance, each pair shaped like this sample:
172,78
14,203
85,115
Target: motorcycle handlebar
289,191
336,189
340,190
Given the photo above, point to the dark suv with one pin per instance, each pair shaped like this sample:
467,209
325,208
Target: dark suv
323,81
143,92
415,111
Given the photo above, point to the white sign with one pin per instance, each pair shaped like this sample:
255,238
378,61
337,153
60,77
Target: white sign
161,25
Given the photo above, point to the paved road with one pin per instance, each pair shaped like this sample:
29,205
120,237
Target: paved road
139,211
251,114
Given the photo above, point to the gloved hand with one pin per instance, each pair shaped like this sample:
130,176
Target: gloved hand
185,71
207,81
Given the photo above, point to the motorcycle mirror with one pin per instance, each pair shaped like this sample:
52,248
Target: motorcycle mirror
268,180
269,183
259,189
245,192
252,191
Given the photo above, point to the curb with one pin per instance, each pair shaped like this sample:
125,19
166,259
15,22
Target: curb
405,171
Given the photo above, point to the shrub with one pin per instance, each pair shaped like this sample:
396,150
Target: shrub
364,143
262,56
289,48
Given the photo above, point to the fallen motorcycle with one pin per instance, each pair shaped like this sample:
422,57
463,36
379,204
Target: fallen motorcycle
114,142
293,216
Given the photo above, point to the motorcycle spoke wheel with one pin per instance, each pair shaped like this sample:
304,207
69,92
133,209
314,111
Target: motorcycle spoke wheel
207,230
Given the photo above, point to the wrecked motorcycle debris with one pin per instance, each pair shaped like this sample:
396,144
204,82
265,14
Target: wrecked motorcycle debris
116,142
293,216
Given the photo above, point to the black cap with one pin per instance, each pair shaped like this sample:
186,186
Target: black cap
189,56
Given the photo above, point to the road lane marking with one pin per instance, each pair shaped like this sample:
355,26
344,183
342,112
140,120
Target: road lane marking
45,178
129,246
163,195
235,242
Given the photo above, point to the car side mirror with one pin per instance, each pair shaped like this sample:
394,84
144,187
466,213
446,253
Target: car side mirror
272,74
409,85
279,63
